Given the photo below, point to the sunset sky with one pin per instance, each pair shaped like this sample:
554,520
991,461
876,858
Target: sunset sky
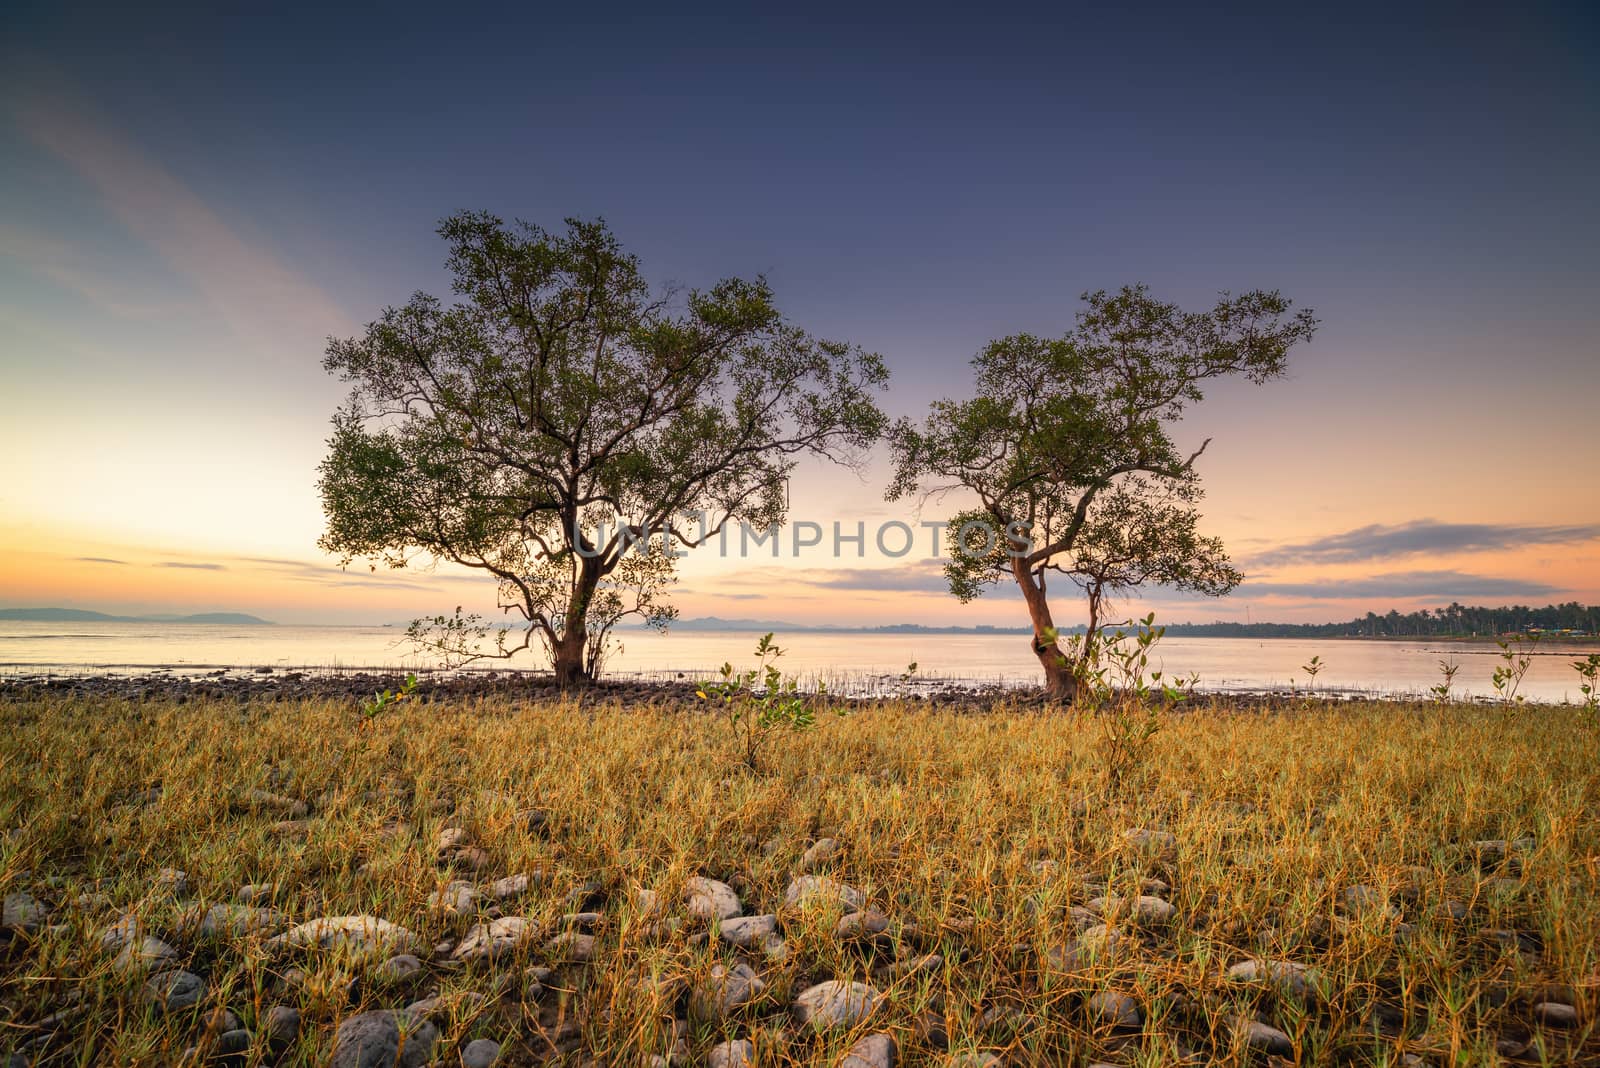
191,201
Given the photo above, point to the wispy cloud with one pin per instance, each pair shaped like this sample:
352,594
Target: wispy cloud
189,566
1401,585
250,288
100,560
1420,536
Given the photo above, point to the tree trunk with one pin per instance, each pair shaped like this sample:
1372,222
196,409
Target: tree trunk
1060,683
567,657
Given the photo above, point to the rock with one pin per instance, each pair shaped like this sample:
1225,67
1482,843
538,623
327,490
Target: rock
1148,841
253,893
1555,1014
146,954
458,899
480,1053
1100,942
1111,1009
384,1039
453,838
708,899
174,991
647,905
739,1053
510,888
873,1051
438,1007
927,964
282,1026
21,912
231,1046
571,946
1264,1038
495,939
1367,901
269,803
469,859
238,921
822,853
810,890
366,938
748,932
861,925
835,1003
1144,909
398,968
173,882
1289,977
724,992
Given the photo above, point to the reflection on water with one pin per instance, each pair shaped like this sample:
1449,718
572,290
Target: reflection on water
1222,663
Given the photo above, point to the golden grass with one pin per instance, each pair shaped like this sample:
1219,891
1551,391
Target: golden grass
944,818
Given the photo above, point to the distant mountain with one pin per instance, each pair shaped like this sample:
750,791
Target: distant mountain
78,615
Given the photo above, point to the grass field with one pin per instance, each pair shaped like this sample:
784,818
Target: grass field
1426,876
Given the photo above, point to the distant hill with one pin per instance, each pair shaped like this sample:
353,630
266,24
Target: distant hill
78,615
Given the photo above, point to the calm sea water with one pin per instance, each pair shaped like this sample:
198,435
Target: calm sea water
854,660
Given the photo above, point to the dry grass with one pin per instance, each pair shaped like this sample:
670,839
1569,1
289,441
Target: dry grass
947,820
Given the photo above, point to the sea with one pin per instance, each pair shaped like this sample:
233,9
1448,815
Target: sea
844,661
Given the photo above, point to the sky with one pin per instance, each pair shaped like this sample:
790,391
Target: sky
192,200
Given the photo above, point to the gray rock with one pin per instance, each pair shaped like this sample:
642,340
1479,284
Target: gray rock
724,992
739,1053
495,939
1264,1038
572,946
1149,841
1289,977
868,923
510,888
269,803
1100,942
457,899
1145,909
822,853
146,954
174,991
812,890
1555,1014
125,930
239,921
173,882
282,1026
480,1053
398,968
748,932
21,912
366,938
835,1003
255,893
1367,901
707,899
230,1044
1111,1009
873,1051
384,1039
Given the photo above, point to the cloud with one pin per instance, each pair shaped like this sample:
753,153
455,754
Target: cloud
1379,542
253,292
1402,585
100,560
191,567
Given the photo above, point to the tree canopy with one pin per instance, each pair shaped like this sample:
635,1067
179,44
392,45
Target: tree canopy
567,429
1068,447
